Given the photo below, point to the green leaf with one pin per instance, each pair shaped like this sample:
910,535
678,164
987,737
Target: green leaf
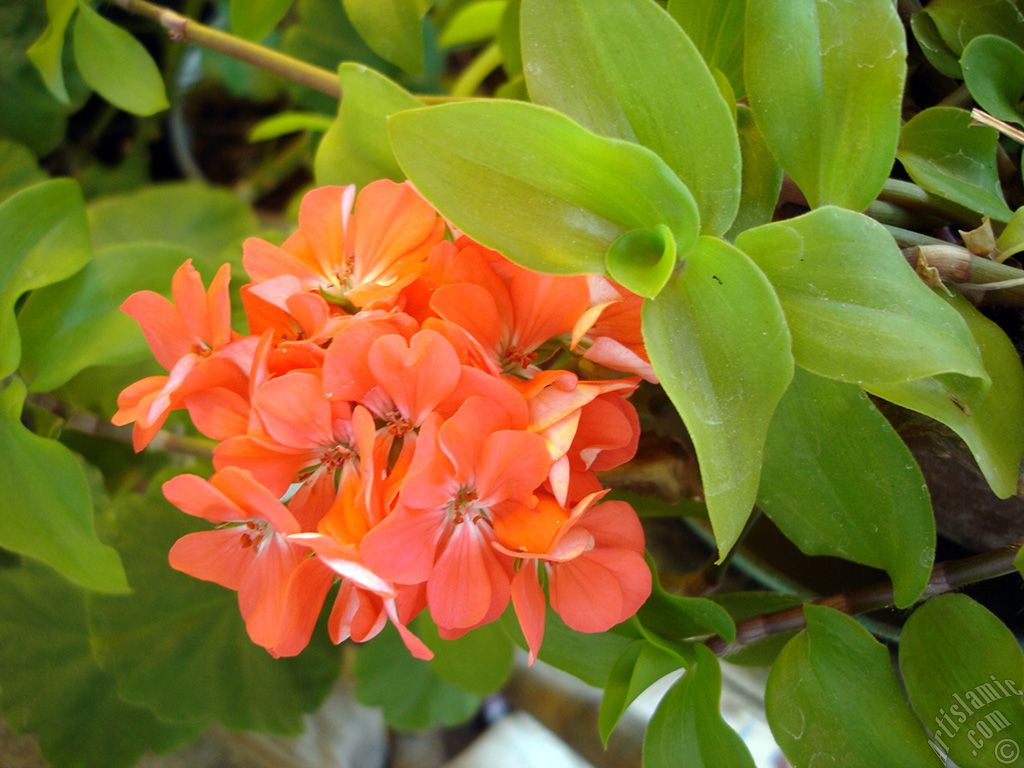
837,477
990,419
637,669
687,730
677,618
825,81
18,168
392,28
508,40
947,26
589,656
573,60
78,323
1011,239
116,65
408,690
47,52
762,177
355,149
254,19
532,184
204,219
717,31
833,696
47,513
719,344
46,239
178,645
947,155
283,123
642,260
51,686
994,74
479,662
473,23
964,673
856,309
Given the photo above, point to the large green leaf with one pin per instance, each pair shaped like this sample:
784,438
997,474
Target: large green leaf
945,27
994,74
838,480
45,238
356,150
720,347
392,28
408,690
687,730
856,309
254,19
46,511
964,673
717,31
833,698
949,156
116,64
47,53
51,686
532,184
677,617
178,645
825,81
479,662
78,323
637,669
203,219
582,58
18,168
990,419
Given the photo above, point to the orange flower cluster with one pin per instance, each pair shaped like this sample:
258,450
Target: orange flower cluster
401,421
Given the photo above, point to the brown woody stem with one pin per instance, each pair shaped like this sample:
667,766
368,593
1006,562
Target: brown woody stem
945,577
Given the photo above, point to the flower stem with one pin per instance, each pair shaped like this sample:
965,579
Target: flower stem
945,577
186,30
912,197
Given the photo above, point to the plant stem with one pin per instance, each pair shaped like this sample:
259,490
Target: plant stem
90,423
912,197
957,264
485,62
188,31
945,577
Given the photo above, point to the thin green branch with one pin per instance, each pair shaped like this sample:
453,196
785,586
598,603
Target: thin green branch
913,198
945,577
184,29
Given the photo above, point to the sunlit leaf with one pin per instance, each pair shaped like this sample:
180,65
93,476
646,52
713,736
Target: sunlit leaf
687,730
51,686
990,419
473,23
408,690
47,53
717,31
964,673
838,480
719,344
47,510
392,28
994,74
762,177
116,64
573,61
825,81
642,260
856,309
1011,239
355,149
178,645
508,40
532,184
832,696
947,155
45,239
254,19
